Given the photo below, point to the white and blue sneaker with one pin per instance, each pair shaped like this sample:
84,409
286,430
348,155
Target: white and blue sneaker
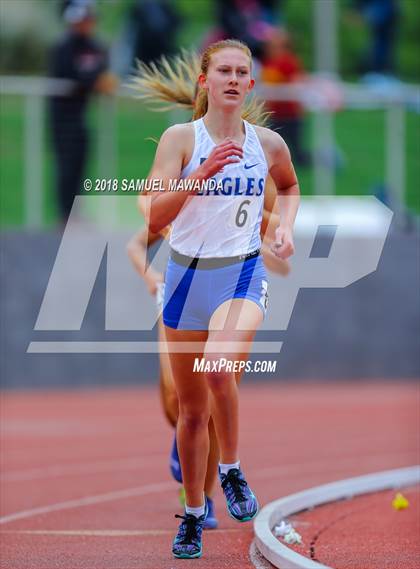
241,502
187,542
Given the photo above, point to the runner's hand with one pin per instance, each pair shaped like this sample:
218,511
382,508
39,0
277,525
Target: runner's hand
227,152
152,281
282,246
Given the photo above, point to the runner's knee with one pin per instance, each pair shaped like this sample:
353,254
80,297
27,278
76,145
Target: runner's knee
194,419
220,376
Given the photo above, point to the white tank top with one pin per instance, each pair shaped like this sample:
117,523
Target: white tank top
225,219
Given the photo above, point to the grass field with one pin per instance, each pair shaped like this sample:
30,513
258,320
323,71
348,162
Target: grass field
360,140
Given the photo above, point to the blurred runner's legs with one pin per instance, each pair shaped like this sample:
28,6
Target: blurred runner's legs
154,280
227,268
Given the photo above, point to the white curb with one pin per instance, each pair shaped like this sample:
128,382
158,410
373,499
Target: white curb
283,557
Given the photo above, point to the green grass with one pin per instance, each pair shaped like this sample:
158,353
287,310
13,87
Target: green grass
11,159
360,139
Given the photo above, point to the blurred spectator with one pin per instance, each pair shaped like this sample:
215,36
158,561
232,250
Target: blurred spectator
247,20
155,24
281,66
80,58
382,18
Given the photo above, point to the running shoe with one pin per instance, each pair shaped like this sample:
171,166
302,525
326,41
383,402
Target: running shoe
174,463
211,520
187,542
241,502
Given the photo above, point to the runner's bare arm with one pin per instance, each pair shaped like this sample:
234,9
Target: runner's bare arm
270,216
269,223
137,252
168,165
284,176
143,204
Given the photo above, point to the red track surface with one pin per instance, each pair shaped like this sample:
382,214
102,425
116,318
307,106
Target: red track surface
363,532
85,480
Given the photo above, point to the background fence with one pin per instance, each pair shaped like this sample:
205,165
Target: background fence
391,145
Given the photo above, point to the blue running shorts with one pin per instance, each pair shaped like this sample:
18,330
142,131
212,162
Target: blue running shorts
195,287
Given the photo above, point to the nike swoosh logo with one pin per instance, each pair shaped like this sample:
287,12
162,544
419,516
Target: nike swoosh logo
251,166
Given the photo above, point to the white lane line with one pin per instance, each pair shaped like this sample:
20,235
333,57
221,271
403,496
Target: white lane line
77,468
90,500
137,491
257,559
108,532
137,463
340,463
52,428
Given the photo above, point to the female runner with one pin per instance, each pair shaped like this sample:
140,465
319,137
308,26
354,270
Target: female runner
137,251
215,285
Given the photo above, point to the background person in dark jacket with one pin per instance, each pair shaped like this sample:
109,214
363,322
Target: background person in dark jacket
82,59
382,18
154,26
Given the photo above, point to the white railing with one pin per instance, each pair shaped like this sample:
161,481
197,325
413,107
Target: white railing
320,96
324,96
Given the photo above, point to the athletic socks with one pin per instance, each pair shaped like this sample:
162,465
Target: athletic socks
200,511
197,512
224,468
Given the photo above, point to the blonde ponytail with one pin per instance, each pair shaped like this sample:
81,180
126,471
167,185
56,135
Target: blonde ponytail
173,83
200,104
168,83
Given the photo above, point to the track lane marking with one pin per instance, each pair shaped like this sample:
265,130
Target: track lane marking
90,500
337,463
78,468
133,463
109,533
155,488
